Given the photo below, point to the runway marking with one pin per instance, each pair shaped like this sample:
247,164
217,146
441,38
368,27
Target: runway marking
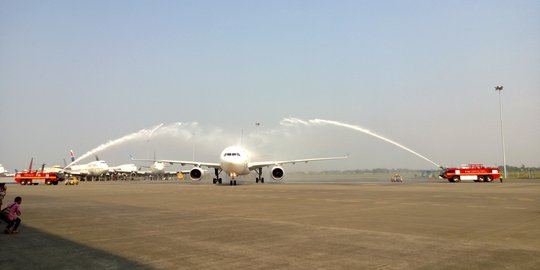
526,199
476,206
515,208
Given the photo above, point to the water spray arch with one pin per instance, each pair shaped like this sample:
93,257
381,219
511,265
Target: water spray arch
296,121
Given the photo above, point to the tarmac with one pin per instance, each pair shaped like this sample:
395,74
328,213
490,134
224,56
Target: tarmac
177,225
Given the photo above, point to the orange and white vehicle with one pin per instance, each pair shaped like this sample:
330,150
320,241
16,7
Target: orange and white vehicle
473,172
33,177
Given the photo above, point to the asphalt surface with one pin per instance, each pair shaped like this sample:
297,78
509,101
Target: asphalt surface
174,225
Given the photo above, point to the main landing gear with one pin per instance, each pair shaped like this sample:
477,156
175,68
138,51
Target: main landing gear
259,178
217,180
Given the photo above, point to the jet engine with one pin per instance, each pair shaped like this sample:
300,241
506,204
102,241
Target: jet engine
196,174
277,173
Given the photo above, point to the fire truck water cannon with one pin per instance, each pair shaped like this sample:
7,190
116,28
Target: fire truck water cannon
472,172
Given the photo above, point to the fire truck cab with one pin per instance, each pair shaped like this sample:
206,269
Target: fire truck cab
473,172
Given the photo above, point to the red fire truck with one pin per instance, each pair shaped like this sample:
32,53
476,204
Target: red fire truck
474,172
32,177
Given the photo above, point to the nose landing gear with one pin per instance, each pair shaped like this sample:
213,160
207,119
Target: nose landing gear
232,176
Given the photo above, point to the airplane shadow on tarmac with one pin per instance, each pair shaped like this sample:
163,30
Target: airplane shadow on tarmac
36,249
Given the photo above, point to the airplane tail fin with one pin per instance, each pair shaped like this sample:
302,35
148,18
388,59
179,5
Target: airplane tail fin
72,155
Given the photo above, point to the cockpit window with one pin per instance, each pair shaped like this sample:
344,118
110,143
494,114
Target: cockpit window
232,154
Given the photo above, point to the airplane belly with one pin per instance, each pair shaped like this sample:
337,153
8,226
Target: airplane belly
235,168
96,172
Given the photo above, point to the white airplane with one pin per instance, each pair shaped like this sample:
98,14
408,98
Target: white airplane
95,168
235,161
3,171
124,169
157,168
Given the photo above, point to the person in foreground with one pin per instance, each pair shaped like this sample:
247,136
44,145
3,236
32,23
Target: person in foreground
12,217
2,193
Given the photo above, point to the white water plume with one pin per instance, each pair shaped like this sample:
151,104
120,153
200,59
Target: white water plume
296,121
154,130
143,133
184,135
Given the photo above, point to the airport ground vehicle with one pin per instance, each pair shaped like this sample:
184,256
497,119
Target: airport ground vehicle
34,177
72,180
474,172
396,178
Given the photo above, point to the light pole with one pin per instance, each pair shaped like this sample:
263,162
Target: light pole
500,88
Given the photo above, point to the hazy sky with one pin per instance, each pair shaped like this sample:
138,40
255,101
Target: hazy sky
77,74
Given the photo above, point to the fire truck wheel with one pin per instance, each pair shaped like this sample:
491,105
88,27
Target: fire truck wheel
456,179
480,179
489,178
47,181
23,182
55,183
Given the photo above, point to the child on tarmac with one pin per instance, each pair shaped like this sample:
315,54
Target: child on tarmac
12,217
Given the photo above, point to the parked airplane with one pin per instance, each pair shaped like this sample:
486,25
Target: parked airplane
3,171
157,169
124,170
92,169
235,161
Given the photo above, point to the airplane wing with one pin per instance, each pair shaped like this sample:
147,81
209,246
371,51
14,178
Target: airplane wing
182,162
261,164
141,159
194,163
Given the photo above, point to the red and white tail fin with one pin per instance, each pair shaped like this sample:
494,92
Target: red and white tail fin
72,155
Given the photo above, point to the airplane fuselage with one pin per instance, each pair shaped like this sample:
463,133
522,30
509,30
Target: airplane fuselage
94,168
157,168
234,161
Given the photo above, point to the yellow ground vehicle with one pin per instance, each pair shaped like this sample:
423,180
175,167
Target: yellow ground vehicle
396,178
72,180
